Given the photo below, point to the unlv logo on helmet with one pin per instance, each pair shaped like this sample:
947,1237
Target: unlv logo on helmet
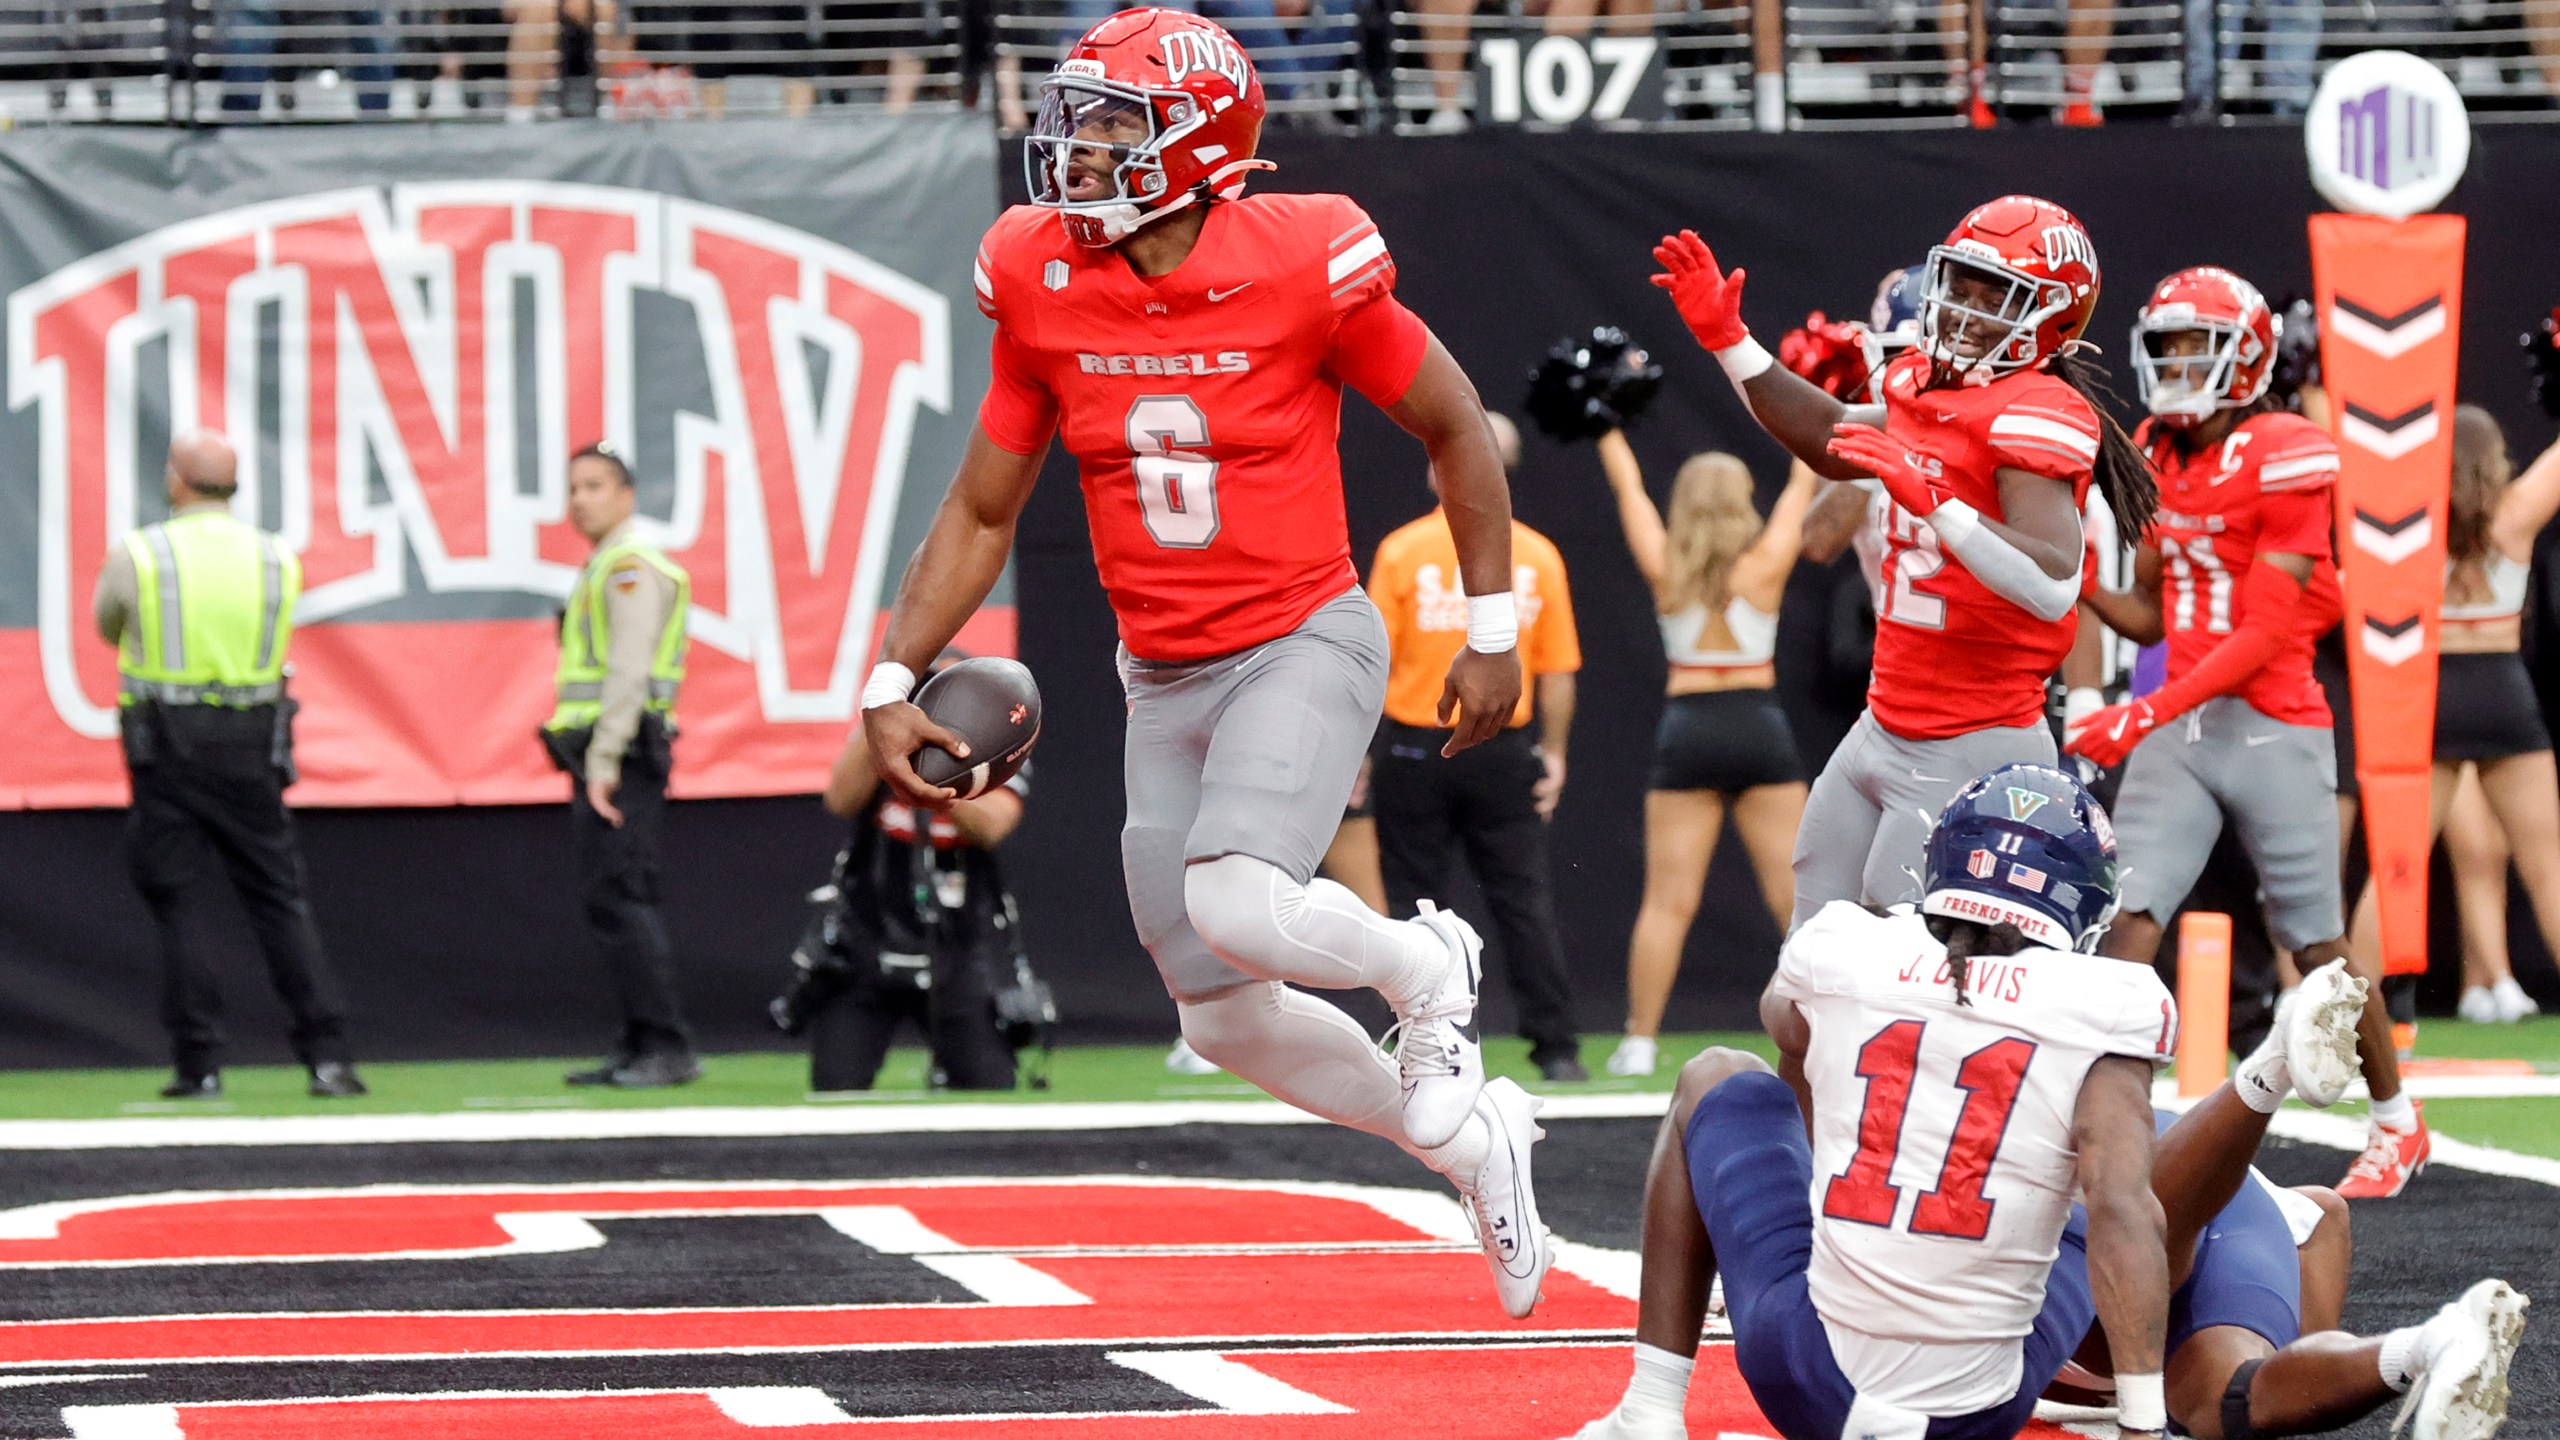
2068,245
401,373
1187,51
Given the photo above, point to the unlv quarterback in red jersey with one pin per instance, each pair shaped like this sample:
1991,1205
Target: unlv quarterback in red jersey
1986,441
1191,346
2237,572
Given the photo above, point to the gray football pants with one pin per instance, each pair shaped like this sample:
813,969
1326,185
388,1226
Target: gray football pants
1248,754
1868,817
2279,784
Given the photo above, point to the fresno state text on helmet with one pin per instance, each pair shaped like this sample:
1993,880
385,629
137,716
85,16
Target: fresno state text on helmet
1225,362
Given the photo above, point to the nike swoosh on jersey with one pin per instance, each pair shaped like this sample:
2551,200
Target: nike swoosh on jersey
1217,295
2254,741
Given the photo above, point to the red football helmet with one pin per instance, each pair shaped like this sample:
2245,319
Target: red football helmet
2230,369
2013,286
1151,111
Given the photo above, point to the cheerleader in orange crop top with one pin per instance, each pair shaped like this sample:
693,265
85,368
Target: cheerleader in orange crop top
1724,746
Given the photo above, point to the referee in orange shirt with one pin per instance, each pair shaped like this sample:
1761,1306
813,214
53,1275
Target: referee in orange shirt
1493,801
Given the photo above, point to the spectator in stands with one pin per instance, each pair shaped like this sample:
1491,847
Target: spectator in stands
2288,53
2542,31
542,33
1492,801
2087,27
1717,571
360,39
2486,710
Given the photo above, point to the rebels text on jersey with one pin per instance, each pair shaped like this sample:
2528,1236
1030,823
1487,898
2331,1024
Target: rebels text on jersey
2265,490
1204,407
1952,657
1943,1166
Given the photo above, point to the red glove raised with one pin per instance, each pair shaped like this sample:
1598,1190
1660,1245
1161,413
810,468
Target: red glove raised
1709,300
2109,735
1910,476
1826,352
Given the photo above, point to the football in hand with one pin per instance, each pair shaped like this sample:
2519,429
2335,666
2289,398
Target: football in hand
989,702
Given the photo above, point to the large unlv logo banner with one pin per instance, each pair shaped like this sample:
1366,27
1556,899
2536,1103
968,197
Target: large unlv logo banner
406,361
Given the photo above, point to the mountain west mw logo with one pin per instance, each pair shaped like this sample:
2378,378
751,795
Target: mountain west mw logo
2387,137
401,353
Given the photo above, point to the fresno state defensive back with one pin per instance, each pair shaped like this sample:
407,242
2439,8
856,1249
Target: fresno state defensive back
1986,442
1191,345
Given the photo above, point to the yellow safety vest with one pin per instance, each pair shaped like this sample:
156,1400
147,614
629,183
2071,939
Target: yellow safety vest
213,612
585,642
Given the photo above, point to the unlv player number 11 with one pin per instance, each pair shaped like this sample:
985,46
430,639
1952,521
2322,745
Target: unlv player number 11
1191,345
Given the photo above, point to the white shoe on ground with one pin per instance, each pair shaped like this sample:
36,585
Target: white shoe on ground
2478,1005
2461,1393
1183,1060
2513,1004
1634,1058
2317,1023
1616,1425
1439,1063
1501,1202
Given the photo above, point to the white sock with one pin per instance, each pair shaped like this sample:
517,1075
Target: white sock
2396,1113
1768,102
1660,1386
1463,1157
1318,934
2404,1354
2266,1077
1299,1049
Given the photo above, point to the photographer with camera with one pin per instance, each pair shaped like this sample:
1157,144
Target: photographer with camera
916,924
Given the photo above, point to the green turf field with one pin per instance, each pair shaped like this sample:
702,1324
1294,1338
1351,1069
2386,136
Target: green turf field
1090,1073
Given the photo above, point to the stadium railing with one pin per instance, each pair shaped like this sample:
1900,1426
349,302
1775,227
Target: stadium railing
1402,65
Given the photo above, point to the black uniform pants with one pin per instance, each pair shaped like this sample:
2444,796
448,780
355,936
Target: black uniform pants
1479,801
849,1040
618,888
210,804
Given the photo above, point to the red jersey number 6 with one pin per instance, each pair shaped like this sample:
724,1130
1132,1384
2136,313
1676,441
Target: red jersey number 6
1177,489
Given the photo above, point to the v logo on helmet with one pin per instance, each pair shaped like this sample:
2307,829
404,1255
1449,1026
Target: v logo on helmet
2024,803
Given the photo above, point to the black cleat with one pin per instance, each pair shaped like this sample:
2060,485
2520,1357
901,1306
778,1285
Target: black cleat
597,1074
207,1086
655,1071
1563,1070
336,1080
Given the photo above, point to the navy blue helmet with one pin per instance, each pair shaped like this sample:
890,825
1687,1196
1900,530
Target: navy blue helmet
2024,846
1893,321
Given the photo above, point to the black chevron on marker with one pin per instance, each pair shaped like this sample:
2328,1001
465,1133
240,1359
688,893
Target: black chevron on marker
2389,423
2387,323
2393,628
2391,527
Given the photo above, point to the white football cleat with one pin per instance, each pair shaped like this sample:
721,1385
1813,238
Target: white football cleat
2461,1393
1635,1057
2316,1022
1183,1060
2513,1003
1439,1063
1617,1425
1501,1203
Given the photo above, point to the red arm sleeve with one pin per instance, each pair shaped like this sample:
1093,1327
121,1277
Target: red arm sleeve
1019,414
2268,597
1377,349
2294,522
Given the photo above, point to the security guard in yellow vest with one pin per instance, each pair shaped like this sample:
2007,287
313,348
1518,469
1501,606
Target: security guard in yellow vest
200,610
621,659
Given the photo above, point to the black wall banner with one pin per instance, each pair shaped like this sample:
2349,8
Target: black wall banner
456,929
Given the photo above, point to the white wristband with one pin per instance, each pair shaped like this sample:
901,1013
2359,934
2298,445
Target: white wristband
1955,522
890,683
1493,623
2079,703
2141,1403
1744,360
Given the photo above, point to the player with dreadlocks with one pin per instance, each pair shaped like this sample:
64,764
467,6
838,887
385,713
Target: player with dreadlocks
1990,433
1911,1265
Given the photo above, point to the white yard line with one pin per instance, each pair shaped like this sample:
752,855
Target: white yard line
774,1121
